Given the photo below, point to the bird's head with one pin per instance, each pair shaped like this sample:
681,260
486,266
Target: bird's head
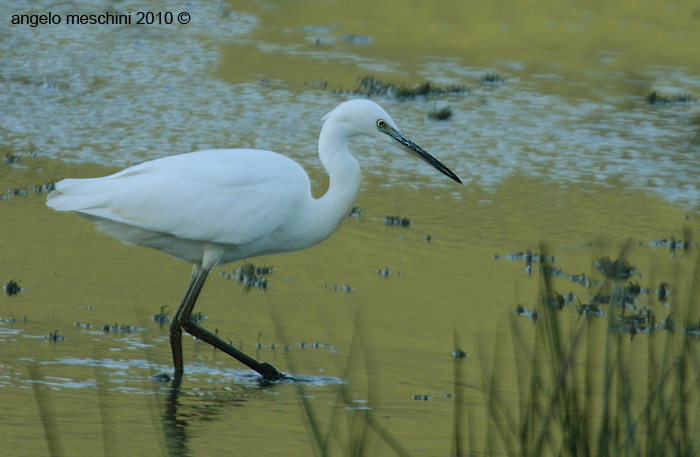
367,118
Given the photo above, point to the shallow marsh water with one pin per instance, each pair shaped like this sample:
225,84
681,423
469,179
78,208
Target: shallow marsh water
566,150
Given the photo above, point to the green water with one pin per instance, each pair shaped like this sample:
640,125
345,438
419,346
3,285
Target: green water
391,337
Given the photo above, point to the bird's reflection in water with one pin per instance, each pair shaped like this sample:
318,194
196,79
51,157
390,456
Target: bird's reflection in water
179,413
174,423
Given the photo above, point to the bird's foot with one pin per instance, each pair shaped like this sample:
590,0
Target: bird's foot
270,373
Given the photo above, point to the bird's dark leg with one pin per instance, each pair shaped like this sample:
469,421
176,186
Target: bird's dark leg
176,326
184,321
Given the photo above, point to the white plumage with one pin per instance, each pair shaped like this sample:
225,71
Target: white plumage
216,206
180,204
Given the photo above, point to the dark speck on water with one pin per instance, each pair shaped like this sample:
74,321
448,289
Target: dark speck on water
54,336
162,377
12,288
673,244
117,328
662,292
18,192
491,79
440,114
591,308
44,188
162,317
385,272
618,269
531,313
459,354
251,276
397,220
347,287
659,99
371,87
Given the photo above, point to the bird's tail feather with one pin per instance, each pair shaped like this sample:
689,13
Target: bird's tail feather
78,194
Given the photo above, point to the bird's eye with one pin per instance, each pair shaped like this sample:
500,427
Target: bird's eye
381,123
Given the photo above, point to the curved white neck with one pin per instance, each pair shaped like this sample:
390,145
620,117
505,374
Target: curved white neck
344,172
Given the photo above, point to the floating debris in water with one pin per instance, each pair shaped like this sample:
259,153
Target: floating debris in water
54,336
117,328
629,294
658,99
397,220
12,320
459,354
37,188
662,293
631,304
386,272
619,269
625,296
162,317
18,192
644,321
197,317
161,377
580,279
440,114
371,87
324,346
531,313
346,287
491,79
668,324
44,188
693,329
274,346
11,158
318,84
558,300
529,257
259,345
427,89
673,244
12,288
591,309
250,275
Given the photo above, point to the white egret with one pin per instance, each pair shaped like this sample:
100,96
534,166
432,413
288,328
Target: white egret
213,207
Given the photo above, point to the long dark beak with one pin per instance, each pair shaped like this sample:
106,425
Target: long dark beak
413,148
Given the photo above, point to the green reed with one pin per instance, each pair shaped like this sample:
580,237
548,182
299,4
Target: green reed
584,388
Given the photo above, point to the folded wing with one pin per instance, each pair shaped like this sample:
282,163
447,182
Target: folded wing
225,196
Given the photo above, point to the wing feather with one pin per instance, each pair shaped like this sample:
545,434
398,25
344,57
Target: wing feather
230,196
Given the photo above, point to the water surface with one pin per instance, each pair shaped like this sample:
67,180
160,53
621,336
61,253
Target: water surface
566,149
